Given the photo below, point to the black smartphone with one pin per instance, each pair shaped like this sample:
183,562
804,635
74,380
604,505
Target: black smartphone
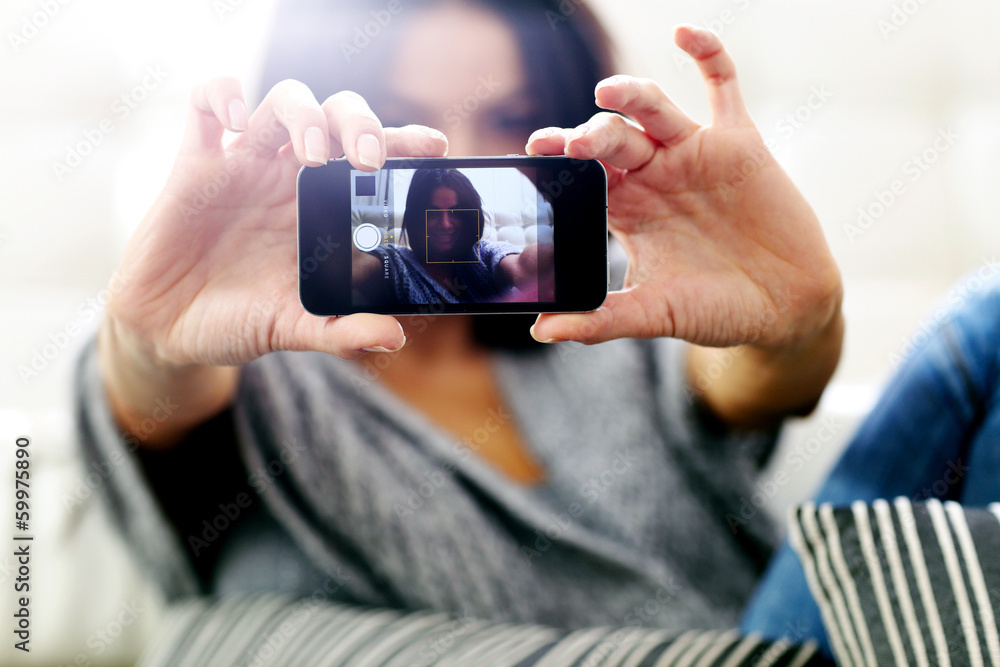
453,235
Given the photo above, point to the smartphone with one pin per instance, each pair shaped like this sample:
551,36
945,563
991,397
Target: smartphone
453,235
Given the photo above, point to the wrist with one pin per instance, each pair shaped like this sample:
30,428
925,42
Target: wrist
759,385
824,325
814,317
153,399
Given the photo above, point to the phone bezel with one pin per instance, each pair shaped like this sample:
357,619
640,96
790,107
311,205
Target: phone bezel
580,248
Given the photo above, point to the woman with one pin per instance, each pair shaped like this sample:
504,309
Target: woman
560,485
445,259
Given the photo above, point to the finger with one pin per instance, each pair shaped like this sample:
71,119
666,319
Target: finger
612,139
622,315
415,141
358,130
556,140
547,141
348,337
645,101
289,112
216,105
719,72
552,141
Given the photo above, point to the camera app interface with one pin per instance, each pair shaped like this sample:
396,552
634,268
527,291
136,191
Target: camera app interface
431,236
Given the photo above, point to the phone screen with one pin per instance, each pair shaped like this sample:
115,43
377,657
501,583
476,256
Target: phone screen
453,235
471,235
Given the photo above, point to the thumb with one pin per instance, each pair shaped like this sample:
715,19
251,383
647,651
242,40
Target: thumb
593,327
620,316
348,337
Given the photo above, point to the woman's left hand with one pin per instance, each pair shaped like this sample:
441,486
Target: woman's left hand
723,249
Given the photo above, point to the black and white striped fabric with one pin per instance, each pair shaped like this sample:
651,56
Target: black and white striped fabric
904,583
276,631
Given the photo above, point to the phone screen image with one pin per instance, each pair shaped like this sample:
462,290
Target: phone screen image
450,236
453,235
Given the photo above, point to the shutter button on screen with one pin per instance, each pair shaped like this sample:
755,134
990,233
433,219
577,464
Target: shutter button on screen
367,237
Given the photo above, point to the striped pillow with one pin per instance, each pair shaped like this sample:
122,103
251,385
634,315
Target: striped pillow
271,630
906,583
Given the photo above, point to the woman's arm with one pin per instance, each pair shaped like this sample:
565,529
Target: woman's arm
531,270
753,386
366,268
153,400
724,252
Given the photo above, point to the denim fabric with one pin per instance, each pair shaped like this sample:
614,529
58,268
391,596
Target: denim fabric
935,433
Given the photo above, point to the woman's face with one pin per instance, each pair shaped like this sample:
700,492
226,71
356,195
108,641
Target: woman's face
458,68
444,228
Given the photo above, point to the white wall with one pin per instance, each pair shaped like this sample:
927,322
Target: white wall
890,94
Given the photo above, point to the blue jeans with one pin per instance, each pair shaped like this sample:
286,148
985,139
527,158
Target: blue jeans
935,432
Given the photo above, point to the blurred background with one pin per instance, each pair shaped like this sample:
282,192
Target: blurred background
886,113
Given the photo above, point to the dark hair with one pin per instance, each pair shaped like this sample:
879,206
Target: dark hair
418,201
565,52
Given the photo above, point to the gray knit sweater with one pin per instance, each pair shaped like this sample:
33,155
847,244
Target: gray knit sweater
369,500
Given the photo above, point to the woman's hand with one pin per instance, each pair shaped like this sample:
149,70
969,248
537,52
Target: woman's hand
212,270
531,271
209,281
722,248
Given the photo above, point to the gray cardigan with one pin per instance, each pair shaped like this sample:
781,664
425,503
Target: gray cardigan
368,500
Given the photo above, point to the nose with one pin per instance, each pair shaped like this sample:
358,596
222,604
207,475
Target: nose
447,220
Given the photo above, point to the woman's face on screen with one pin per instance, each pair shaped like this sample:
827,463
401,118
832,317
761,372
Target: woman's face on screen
458,68
450,233
444,229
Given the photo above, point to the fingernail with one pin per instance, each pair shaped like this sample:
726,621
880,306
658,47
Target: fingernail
578,133
315,145
545,340
607,83
369,151
238,115
542,134
379,348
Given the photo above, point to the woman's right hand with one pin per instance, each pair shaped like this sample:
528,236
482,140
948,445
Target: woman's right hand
209,280
211,275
